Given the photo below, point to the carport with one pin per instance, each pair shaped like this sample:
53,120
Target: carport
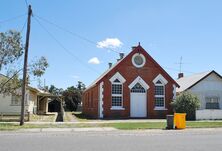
47,102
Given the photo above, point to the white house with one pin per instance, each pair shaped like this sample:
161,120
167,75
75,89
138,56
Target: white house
11,104
207,86
36,101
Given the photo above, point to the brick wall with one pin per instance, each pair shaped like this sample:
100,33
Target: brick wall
90,102
148,73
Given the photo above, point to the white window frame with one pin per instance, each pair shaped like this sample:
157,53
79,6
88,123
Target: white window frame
118,76
18,98
118,95
163,83
143,57
160,96
212,97
140,81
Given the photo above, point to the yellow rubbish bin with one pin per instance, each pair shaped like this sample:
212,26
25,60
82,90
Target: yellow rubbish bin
180,120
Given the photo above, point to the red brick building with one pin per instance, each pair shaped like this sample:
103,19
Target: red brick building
135,87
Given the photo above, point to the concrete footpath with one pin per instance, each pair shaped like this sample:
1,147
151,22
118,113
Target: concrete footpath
111,129
91,129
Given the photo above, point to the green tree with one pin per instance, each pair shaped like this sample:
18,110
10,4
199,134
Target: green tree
39,66
55,91
186,103
81,86
11,49
73,96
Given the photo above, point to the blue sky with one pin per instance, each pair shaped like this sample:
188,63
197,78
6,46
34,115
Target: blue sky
166,29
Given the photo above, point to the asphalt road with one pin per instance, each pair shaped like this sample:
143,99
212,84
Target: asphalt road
157,140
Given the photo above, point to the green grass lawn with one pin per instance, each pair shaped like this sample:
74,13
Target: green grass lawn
204,124
139,125
121,126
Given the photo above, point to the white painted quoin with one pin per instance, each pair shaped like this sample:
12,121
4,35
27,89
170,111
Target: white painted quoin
207,87
101,100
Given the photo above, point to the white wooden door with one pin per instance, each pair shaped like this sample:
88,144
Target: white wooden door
138,101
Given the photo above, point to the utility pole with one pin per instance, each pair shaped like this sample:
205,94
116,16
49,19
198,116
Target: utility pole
25,67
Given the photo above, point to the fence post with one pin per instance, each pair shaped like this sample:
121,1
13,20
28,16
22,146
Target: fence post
1,116
28,116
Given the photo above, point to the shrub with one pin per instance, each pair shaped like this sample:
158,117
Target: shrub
186,103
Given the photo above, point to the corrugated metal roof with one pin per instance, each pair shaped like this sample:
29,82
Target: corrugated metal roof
189,81
28,87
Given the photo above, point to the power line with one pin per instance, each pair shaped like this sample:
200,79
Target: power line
27,5
62,46
178,70
87,40
90,41
23,26
2,85
12,18
72,33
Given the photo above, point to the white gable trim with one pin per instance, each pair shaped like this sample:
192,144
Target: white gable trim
118,76
140,81
161,78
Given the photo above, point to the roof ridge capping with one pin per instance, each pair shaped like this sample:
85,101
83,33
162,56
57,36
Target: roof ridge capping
190,81
196,74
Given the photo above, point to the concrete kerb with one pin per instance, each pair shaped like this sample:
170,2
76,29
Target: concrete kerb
115,131
94,129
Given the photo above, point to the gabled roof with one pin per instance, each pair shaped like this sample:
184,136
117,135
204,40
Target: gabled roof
107,71
37,90
190,81
135,49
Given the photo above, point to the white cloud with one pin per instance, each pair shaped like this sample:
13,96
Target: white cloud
74,76
109,43
94,60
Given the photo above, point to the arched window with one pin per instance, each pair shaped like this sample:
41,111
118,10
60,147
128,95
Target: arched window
138,88
159,92
117,81
117,96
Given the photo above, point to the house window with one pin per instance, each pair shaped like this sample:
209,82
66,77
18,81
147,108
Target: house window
212,103
116,101
117,96
16,100
159,94
116,88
